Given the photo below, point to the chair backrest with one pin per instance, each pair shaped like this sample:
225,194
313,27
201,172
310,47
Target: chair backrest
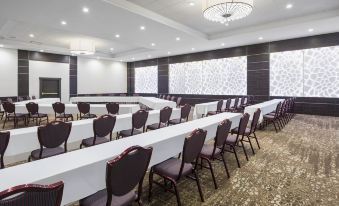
228,103
33,97
179,101
32,108
112,108
219,105
10,100
242,100
236,102
58,107
103,125
185,111
255,120
277,110
20,99
53,134
28,97
193,146
139,119
84,107
126,171
168,97
4,140
173,98
243,125
33,195
9,107
223,129
165,114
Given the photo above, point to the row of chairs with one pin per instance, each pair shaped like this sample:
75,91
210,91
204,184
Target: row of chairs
178,100
122,175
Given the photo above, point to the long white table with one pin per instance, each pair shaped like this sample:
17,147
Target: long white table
84,170
98,109
151,102
40,101
265,107
25,140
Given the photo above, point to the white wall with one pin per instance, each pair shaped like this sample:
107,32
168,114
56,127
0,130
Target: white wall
42,69
8,72
101,76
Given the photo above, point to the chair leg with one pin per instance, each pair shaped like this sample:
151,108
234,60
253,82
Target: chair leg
177,194
199,187
236,156
150,182
212,172
276,130
29,158
243,147
225,165
3,126
256,139
249,140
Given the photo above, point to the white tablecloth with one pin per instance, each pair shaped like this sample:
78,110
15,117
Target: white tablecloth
40,101
151,102
98,109
265,107
25,140
83,171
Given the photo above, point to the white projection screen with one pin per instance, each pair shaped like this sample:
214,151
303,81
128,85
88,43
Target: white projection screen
146,79
305,73
226,76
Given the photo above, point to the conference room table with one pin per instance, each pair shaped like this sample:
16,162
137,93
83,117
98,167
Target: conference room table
151,102
25,140
265,107
39,101
83,171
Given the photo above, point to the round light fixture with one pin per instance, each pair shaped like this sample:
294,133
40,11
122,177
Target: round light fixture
82,47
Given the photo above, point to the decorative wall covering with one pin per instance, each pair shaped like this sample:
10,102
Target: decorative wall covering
146,79
305,73
226,76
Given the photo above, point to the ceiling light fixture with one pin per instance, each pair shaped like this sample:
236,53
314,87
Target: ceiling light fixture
31,35
85,9
310,30
1,45
289,6
222,44
225,11
152,44
261,38
149,56
191,3
177,39
142,28
112,49
82,47
117,36
41,50
63,23
193,49
169,52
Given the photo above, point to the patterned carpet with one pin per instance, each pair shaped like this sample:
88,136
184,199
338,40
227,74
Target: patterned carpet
297,166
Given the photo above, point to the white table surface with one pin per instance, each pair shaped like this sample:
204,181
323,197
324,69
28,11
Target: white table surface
40,101
84,170
265,107
98,109
25,140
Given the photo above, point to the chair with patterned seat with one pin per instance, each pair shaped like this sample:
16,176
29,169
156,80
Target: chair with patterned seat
4,140
228,105
102,127
33,195
123,174
51,137
219,107
84,111
184,114
165,115
59,112
235,106
273,118
33,113
10,114
174,169
112,108
139,120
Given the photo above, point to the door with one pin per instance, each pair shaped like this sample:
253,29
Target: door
50,87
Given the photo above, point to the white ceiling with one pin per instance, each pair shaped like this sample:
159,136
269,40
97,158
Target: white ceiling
164,21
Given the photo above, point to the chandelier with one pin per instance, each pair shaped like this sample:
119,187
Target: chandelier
225,11
82,47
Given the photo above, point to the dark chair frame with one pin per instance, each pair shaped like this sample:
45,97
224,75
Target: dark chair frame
112,108
219,108
183,115
82,114
134,127
59,113
33,113
10,114
165,116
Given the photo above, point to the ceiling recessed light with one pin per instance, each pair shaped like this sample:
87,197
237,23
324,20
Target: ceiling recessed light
85,9
310,30
193,49
31,35
149,56
261,38
169,52
63,23
222,44
117,36
289,6
191,3
112,49
178,38
133,58
152,44
1,45
41,50
142,28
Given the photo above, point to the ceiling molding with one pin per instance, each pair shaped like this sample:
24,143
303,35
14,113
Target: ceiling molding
136,9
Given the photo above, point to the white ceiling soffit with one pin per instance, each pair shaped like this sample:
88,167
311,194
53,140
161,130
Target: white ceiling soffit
156,17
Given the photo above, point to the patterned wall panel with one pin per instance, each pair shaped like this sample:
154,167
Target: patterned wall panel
146,79
226,76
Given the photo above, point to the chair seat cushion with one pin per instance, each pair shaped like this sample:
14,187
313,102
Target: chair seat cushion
64,116
207,150
171,167
176,121
39,115
235,131
231,139
127,133
268,117
100,199
212,113
17,115
47,152
156,126
89,141
88,116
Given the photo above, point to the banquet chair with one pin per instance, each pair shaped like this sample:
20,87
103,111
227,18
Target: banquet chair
174,169
139,120
59,112
51,137
233,140
2,113
112,108
10,100
4,140
33,97
249,101
168,97
179,100
165,115
84,111
250,132
123,174
228,105
10,114
33,195
242,104
216,151
273,118
219,107
33,113
173,98
234,108
102,126
20,99
184,114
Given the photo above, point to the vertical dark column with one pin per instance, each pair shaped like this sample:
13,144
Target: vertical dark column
130,77
23,73
73,76
163,75
258,73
